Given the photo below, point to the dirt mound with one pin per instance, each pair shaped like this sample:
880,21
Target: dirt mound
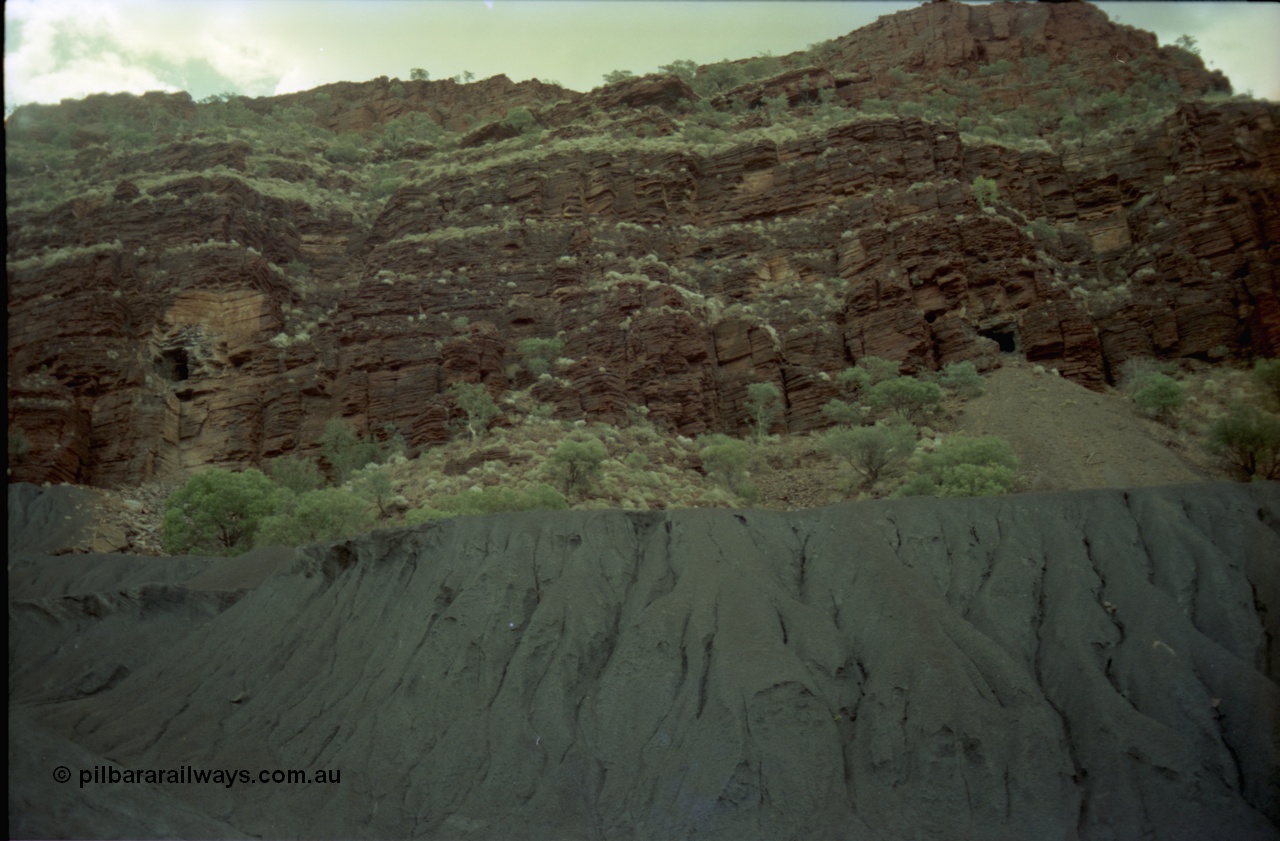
1070,438
1051,665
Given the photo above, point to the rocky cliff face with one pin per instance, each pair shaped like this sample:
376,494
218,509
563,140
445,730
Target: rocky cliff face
1083,665
206,298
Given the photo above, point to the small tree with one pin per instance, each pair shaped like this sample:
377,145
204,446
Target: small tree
854,381
873,451
1249,438
878,370
538,354
1160,395
419,74
1266,375
218,512
910,399
844,414
521,120
961,378
727,460
346,451
374,485
296,473
475,401
615,76
985,191
763,404
578,464
963,466
326,514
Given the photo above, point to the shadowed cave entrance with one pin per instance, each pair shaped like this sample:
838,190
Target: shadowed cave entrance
174,364
1006,336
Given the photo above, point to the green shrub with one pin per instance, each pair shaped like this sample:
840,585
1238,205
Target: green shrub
326,514
727,461
878,370
521,119
985,191
908,398
963,466
961,378
490,501
477,404
1249,438
538,354
384,187
348,149
19,444
1160,395
1138,370
296,473
996,68
346,451
763,404
577,464
853,381
844,414
873,452
1266,375
373,484
218,512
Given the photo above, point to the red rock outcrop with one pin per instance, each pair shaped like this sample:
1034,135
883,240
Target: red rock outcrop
211,303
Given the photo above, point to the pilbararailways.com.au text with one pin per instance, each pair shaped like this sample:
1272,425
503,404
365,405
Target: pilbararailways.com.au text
187,775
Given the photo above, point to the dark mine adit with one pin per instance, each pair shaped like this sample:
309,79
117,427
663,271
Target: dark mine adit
1082,665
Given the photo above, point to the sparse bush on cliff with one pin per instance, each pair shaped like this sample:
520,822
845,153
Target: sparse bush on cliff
218,512
874,452
348,149
419,74
296,473
908,398
1249,438
346,451
539,354
577,464
326,514
521,120
963,466
477,404
1160,395
763,404
985,191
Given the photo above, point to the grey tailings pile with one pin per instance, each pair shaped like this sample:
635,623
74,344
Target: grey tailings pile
1097,664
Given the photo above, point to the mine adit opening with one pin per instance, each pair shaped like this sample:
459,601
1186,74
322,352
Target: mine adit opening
1005,335
174,364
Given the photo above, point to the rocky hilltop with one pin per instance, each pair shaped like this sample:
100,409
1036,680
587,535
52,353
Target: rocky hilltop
207,283
1094,664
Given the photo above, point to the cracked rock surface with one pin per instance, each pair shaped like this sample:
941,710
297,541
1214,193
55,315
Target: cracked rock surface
1090,664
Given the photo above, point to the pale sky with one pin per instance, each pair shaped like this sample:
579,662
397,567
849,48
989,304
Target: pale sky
56,49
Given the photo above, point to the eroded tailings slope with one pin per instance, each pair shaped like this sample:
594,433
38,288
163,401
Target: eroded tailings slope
1093,664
